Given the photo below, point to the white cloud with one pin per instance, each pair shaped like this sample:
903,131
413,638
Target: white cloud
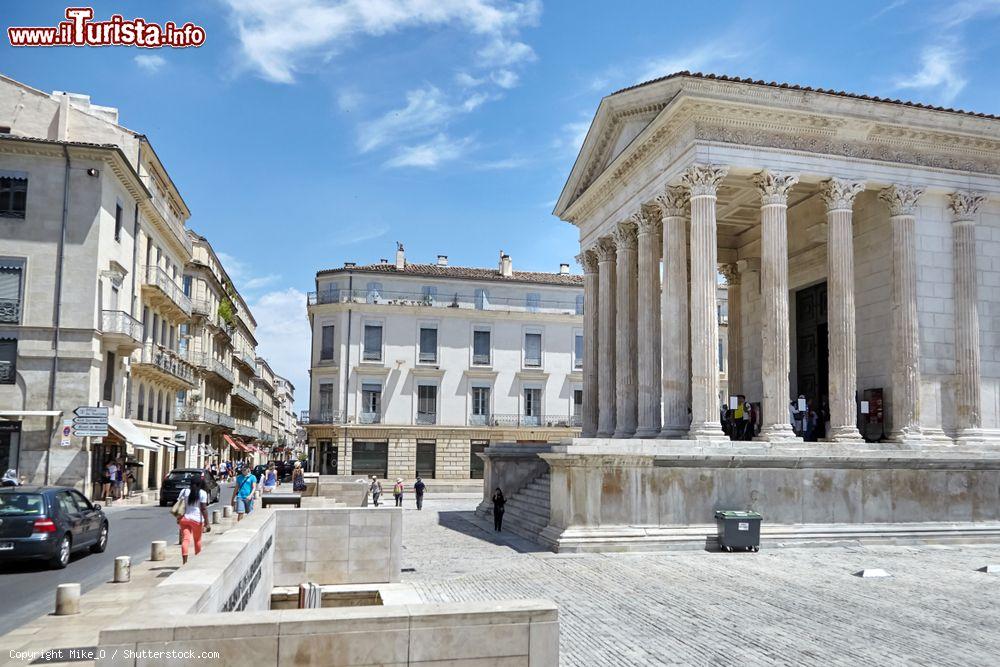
506,163
150,62
427,110
283,337
431,153
277,37
505,78
466,80
359,233
243,276
349,99
571,137
939,73
954,14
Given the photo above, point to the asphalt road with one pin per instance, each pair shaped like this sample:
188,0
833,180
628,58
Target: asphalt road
27,589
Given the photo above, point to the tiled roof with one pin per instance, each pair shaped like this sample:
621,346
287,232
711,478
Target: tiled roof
789,86
464,273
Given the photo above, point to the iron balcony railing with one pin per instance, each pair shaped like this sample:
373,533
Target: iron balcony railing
322,417
519,304
554,421
10,311
370,418
210,363
197,413
246,431
480,420
246,358
246,395
156,276
175,224
202,307
168,361
428,357
427,418
481,359
120,322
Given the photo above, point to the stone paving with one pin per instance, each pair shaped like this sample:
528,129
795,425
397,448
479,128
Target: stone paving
782,606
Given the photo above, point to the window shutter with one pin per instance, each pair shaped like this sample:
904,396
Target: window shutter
10,282
533,348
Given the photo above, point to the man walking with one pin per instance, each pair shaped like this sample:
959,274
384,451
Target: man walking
376,490
418,489
243,492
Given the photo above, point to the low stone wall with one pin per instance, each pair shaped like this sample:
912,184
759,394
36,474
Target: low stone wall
338,545
350,491
487,633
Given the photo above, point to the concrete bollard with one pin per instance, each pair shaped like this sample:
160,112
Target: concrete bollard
158,550
123,569
67,599
215,517
227,511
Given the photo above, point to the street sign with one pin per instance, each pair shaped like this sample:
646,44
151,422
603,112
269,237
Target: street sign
95,431
67,429
89,420
92,411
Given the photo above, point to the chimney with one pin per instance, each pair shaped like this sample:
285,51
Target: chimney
506,266
349,265
400,257
442,260
563,269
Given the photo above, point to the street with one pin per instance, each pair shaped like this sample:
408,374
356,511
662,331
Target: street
28,588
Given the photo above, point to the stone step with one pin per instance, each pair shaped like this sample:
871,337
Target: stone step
531,492
539,513
522,526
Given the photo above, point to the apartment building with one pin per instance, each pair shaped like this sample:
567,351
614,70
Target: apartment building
286,423
418,367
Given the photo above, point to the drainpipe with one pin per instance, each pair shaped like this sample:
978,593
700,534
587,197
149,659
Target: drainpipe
56,316
347,361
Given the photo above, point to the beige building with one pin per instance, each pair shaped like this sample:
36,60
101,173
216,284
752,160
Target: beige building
286,422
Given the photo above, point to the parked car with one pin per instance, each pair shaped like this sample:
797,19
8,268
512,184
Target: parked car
180,478
49,522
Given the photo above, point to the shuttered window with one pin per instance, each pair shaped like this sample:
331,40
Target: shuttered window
481,348
326,345
428,345
373,342
10,292
533,350
13,196
8,360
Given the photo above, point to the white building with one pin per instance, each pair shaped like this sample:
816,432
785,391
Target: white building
285,421
416,367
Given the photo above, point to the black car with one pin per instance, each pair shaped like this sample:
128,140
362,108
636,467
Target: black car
180,478
49,522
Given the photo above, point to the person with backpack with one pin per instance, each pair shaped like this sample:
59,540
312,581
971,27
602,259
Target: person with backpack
194,518
418,488
397,492
243,492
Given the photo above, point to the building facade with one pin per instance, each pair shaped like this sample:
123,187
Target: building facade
286,422
418,367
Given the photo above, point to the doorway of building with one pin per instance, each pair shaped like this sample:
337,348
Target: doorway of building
370,458
812,345
327,457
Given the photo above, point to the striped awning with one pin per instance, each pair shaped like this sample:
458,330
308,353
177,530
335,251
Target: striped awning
234,442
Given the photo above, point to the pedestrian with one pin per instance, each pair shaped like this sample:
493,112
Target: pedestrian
270,479
376,489
243,492
119,480
499,501
195,517
298,478
397,492
106,481
10,478
418,489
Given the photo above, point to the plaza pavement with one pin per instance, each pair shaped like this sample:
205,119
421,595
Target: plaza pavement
780,606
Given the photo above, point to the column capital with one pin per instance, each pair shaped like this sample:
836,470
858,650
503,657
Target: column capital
605,249
624,236
731,272
673,201
588,260
964,205
838,193
901,199
647,220
774,186
703,180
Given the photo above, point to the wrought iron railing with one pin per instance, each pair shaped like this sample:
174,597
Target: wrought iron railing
445,300
156,276
120,322
207,361
554,421
427,418
246,431
480,360
10,311
480,420
428,357
168,361
246,395
370,418
322,417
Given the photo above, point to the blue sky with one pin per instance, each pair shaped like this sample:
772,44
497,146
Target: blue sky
309,132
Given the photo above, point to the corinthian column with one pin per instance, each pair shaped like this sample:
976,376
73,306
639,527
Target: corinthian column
964,206
626,387
591,288
839,198
648,223
605,251
775,364
902,202
703,183
674,325
734,332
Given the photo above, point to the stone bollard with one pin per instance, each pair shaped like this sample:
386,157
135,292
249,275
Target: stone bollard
67,599
215,517
158,550
123,569
227,511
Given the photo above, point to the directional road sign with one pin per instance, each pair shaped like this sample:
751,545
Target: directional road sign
92,411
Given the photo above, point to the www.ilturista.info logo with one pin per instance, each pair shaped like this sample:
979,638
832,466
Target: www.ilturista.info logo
81,30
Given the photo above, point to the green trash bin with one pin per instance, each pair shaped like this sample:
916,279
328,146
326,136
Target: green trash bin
738,530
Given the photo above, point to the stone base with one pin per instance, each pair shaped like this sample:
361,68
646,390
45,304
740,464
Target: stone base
614,495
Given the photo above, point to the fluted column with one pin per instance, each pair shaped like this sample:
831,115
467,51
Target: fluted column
605,251
902,202
648,299
843,357
968,374
703,182
675,329
591,290
775,366
734,331
626,359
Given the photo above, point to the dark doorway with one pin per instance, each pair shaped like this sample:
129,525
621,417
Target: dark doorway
812,345
370,458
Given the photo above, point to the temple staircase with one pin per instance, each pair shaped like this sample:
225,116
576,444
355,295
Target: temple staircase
527,511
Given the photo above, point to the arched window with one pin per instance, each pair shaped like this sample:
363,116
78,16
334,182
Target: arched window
159,407
142,402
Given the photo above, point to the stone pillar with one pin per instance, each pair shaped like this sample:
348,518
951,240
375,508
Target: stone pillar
905,330
591,288
968,374
775,365
839,198
675,353
606,338
734,332
626,367
648,223
703,182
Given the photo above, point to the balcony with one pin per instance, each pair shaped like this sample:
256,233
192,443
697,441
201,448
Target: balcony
196,413
427,418
548,421
480,420
246,432
121,328
166,365
454,300
10,311
216,367
323,417
246,396
201,307
166,293
370,418
247,359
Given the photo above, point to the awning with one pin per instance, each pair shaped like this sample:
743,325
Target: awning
18,414
163,440
130,433
234,443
